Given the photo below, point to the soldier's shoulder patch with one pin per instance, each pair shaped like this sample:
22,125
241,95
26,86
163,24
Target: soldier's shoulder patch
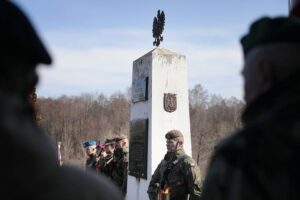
189,161
192,164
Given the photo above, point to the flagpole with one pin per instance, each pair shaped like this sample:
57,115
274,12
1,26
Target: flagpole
59,157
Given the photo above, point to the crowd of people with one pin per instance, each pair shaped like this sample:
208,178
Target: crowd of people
109,159
177,177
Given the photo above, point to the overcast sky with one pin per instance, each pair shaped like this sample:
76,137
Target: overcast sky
93,43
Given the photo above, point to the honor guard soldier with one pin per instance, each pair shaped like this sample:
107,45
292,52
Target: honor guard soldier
91,152
120,169
177,177
106,163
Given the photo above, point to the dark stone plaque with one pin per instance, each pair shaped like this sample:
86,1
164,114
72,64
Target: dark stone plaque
138,148
140,90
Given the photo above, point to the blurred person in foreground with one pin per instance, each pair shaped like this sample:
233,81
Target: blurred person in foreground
177,177
262,160
31,169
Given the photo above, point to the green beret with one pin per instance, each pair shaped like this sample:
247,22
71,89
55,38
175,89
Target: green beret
173,134
267,30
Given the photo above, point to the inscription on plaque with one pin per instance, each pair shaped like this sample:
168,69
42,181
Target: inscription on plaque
140,90
138,148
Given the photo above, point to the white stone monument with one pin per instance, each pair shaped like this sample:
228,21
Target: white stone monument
159,104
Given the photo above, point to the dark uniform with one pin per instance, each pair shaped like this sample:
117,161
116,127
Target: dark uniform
262,160
106,166
120,168
31,169
92,160
178,172
106,163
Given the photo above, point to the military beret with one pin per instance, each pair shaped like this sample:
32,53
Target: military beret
120,137
271,30
89,143
109,141
18,39
173,134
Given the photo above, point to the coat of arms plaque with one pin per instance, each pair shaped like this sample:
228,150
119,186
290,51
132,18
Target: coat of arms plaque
170,102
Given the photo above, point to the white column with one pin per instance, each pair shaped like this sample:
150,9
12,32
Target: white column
166,72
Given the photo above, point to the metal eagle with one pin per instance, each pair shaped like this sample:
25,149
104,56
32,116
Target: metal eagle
158,28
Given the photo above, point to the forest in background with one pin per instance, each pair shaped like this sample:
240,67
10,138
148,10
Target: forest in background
74,119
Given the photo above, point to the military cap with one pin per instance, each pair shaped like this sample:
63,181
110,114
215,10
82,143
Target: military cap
173,134
89,143
120,137
271,30
18,38
109,141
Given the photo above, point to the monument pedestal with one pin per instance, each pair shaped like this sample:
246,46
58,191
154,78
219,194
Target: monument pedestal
159,104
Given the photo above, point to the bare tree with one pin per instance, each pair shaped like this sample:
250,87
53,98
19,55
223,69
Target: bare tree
74,119
212,118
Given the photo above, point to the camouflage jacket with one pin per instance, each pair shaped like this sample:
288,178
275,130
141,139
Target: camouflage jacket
180,173
119,173
262,160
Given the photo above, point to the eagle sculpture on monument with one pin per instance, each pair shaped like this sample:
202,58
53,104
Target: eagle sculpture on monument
158,28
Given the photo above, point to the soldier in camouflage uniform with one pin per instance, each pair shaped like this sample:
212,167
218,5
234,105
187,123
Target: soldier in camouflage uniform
120,168
106,163
262,160
31,169
177,172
